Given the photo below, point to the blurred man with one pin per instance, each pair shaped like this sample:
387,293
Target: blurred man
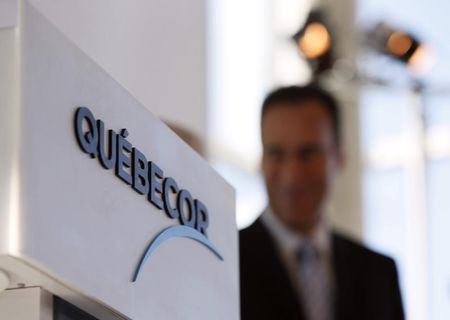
293,265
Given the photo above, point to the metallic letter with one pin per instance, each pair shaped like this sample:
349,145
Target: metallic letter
122,160
106,162
88,141
140,172
202,217
185,196
170,185
154,175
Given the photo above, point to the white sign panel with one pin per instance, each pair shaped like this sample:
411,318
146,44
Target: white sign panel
8,13
110,202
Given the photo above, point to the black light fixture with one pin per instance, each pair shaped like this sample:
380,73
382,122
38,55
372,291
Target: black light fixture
401,45
315,42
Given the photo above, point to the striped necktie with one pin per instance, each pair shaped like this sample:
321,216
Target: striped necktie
314,283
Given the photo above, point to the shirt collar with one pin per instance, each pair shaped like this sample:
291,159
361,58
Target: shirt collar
290,241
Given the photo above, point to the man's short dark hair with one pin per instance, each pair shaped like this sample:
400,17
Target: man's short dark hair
300,94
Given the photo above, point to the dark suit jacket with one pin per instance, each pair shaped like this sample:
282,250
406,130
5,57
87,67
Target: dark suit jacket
366,282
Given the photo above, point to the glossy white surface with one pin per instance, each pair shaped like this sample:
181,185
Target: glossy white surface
80,227
4,281
8,13
9,111
26,304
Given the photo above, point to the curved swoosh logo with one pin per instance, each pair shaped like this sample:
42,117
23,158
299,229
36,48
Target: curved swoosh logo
174,232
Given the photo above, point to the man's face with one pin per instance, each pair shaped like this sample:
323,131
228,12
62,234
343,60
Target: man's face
300,158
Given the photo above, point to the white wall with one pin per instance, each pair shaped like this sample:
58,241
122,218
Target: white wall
154,48
346,207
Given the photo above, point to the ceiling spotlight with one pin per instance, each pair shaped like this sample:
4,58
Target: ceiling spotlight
400,45
314,42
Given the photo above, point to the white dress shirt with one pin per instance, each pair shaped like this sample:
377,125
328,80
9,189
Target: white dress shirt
289,242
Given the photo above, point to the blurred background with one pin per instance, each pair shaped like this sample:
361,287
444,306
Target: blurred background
388,63
206,65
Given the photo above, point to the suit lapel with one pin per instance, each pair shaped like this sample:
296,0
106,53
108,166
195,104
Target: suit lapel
346,272
285,298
